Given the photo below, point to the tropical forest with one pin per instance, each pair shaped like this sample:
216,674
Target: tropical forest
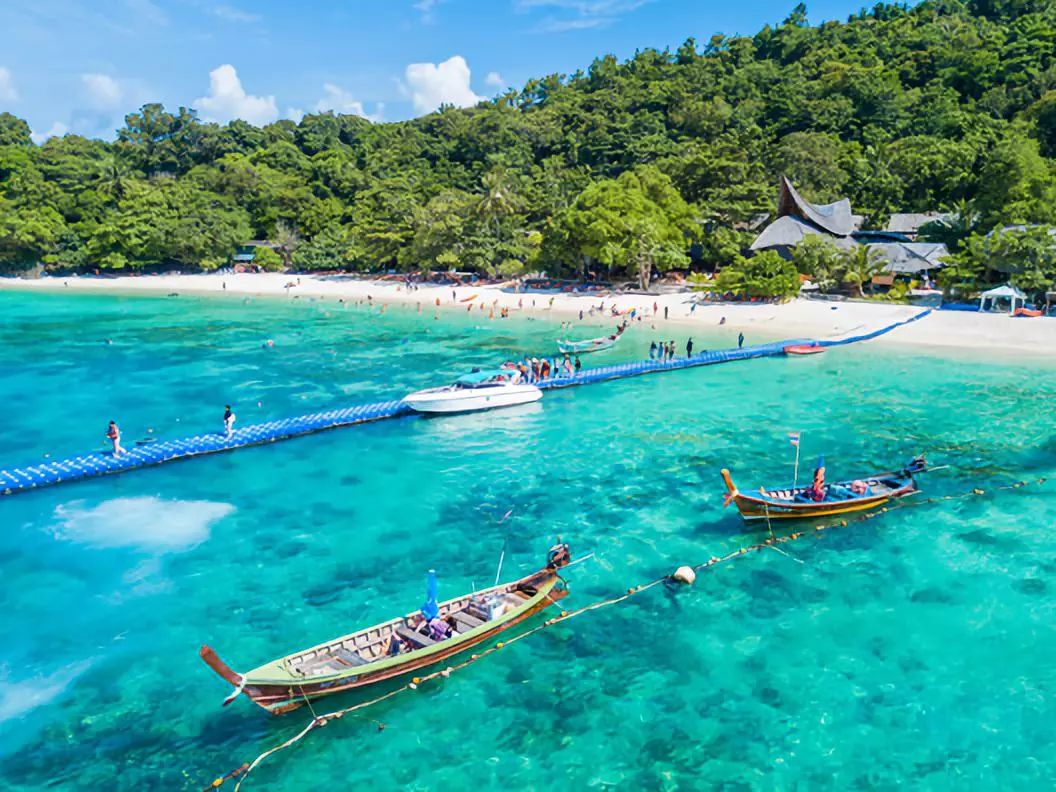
621,171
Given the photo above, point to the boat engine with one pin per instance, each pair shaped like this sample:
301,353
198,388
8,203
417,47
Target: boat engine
558,556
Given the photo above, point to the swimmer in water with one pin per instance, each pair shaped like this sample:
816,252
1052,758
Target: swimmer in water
114,435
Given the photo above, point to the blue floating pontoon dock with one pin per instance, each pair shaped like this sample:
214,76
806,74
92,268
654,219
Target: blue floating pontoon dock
15,480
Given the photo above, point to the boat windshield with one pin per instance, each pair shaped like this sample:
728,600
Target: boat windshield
480,379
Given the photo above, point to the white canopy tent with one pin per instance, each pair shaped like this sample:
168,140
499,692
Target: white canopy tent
989,300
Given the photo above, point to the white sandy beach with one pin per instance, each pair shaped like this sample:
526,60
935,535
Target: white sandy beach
794,319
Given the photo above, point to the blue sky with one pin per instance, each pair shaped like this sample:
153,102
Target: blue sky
80,66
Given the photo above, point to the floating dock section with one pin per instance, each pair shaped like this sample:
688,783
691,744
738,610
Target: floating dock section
15,480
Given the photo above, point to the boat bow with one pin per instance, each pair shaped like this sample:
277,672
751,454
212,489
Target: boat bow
224,671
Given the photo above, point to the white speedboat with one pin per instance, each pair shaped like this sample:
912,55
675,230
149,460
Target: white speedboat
481,390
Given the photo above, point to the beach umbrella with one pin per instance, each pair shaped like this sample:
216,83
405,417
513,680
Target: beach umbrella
430,608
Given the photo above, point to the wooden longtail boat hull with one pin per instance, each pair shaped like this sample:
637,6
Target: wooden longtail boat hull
585,347
783,505
286,684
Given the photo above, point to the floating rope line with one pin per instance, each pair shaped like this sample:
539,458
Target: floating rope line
43,474
771,542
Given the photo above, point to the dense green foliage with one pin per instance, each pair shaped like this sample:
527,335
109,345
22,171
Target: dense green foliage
950,104
765,274
1025,257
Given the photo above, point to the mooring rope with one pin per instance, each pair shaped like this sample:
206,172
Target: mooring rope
770,542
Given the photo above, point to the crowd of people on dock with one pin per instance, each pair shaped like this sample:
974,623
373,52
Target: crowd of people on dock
533,369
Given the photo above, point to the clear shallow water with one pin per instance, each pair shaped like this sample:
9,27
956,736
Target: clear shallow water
912,649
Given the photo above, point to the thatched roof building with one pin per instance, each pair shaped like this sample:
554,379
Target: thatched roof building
798,217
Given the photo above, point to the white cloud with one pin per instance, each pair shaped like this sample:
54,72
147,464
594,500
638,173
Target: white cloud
294,114
7,86
232,14
148,11
227,99
341,101
104,92
494,79
425,8
580,14
58,129
434,84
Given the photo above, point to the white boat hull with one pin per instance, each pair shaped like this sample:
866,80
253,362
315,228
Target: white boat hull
462,400
584,347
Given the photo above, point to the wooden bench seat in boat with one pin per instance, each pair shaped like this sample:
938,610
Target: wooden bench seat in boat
348,657
414,638
467,620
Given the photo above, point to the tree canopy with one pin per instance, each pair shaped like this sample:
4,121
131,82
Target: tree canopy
950,104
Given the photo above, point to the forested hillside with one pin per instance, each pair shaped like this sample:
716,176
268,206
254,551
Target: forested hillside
949,104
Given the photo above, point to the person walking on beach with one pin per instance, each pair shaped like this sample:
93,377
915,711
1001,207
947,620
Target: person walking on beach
740,340
229,420
114,434
689,348
652,350
665,311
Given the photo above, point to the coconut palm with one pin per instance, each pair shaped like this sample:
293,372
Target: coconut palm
112,177
861,264
286,241
500,198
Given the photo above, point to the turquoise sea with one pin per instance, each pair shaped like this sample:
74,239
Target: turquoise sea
915,650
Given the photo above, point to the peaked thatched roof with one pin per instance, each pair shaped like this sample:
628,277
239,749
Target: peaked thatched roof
836,218
910,222
789,231
910,257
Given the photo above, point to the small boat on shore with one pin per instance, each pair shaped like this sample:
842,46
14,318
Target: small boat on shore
590,345
838,498
803,349
399,646
479,390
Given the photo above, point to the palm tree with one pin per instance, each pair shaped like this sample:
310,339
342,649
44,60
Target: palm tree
286,240
500,199
861,264
112,177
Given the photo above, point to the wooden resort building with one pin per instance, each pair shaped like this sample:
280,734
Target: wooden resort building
896,244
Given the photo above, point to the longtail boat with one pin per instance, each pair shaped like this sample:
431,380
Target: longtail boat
366,657
840,497
590,345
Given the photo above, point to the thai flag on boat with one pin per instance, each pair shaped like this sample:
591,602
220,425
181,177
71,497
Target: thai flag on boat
793,438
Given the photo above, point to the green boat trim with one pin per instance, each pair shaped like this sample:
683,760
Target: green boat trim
283,671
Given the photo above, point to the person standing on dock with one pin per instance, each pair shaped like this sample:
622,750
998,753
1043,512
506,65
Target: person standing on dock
689,348
114,434
652,350
579,364
229,420
740,340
